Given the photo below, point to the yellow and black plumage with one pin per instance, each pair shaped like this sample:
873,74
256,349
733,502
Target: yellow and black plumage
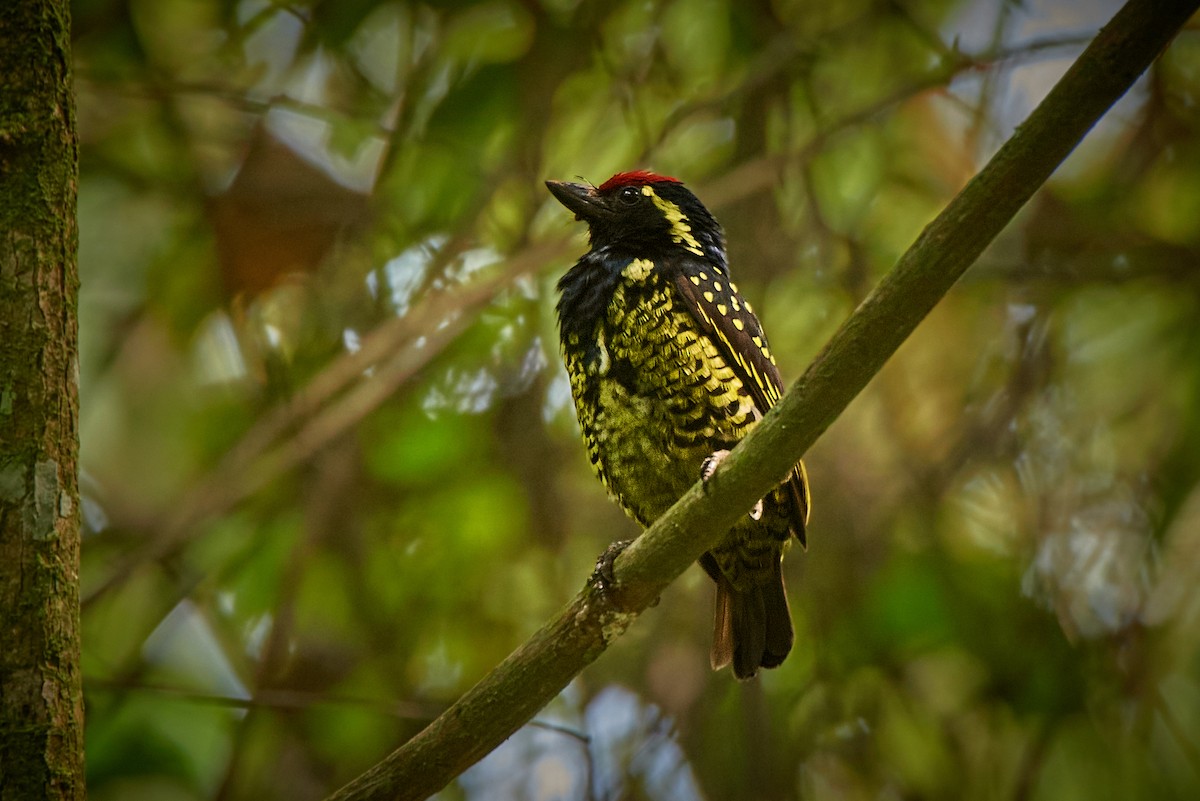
669,366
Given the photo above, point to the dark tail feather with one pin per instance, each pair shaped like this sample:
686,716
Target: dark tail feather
751,629
779,620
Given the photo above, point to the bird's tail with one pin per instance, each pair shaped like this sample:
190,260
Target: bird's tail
751,628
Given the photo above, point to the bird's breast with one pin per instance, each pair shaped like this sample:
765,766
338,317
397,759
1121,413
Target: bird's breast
654,395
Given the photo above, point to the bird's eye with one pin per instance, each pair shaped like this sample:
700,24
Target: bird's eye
630,194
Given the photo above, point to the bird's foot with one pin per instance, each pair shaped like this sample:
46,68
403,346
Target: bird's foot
602,575
709,466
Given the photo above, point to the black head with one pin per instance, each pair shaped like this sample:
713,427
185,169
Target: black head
643,214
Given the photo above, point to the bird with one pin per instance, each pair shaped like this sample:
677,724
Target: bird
669,368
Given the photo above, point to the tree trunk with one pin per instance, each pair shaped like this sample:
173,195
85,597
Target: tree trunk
41,700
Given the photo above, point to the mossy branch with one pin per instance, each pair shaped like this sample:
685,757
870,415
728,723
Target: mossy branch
535,673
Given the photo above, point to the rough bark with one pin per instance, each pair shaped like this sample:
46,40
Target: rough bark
41,699
529,678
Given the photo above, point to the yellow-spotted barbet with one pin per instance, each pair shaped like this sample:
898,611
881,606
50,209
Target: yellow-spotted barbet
669,369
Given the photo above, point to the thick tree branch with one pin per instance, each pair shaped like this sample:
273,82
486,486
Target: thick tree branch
529,678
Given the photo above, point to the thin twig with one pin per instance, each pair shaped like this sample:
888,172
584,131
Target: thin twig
275,699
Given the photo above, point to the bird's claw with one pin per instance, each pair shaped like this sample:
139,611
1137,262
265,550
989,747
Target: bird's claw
709,466
602,576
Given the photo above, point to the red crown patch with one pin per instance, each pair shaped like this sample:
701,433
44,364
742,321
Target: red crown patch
635,178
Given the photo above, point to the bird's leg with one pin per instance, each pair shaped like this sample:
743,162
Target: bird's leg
602,575
709,466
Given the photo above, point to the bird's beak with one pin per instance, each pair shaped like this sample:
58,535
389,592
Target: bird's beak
580,199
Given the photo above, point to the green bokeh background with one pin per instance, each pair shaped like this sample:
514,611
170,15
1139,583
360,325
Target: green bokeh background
296,556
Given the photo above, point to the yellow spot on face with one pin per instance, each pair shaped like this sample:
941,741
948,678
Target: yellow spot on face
681,231
737,323
723,309
638,269
708,296
695,280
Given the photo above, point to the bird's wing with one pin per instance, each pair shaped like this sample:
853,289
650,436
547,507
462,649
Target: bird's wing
725,316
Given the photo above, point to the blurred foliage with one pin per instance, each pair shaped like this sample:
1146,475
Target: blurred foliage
330,465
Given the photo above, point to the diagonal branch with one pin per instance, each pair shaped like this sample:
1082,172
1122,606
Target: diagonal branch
537,671
331,404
